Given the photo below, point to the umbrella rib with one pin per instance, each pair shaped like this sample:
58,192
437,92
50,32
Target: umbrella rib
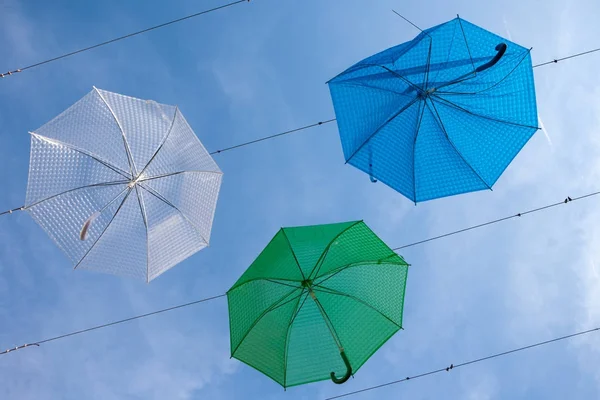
151,178
415,70
163,141
507,75
328,323
85,153
466,42
501,80
329,290
459,108
159,196
145,218
272,307
399,76
265,279
293,253
104,230
114,183
125,142
279,283
350,83
441,124
428,66
321,259
362,65
447,55
336,271
414,150
287,335
404,108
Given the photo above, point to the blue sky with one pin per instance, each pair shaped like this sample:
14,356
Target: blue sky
261,68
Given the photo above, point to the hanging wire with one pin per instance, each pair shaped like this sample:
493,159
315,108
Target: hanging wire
464,364
565,201
556,60
12,211
6,74
495,221
113,323
273,136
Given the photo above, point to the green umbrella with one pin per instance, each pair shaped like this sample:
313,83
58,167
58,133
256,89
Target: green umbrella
317,299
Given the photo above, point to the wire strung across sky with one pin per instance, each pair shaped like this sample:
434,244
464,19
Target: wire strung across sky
464,364
14,71
531,211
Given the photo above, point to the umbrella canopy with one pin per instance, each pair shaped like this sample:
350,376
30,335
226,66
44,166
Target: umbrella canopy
122,185
440,115
317,303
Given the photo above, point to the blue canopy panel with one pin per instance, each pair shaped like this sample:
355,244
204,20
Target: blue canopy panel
440,115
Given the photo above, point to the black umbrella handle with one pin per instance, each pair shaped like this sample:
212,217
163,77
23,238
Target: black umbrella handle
343,379
501,49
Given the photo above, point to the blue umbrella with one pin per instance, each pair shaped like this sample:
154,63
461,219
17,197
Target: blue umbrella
440,115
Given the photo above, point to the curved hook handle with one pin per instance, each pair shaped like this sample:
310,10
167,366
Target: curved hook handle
501,49
344,378
372,179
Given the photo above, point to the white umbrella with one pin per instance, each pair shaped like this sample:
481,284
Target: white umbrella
122,185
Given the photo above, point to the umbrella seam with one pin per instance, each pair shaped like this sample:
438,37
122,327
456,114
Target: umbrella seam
462,109
162,143
441,124
526,52
365,85
104,230
338,293
450,47
125,142
272,307
262,279
389,120
466,42
151,178
145,218
293,253
115,183
288,334
410,71
274,280
358,66
428,65
359,264
83,152
162,198
197,140
324,253
336,336
414,155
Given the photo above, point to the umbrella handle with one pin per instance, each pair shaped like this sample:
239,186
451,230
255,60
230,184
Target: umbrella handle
372,179
343,379
501,49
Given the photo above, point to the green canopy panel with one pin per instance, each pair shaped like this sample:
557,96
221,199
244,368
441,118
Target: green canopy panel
317,303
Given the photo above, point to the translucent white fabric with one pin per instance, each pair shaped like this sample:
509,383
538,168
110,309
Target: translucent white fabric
122,185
